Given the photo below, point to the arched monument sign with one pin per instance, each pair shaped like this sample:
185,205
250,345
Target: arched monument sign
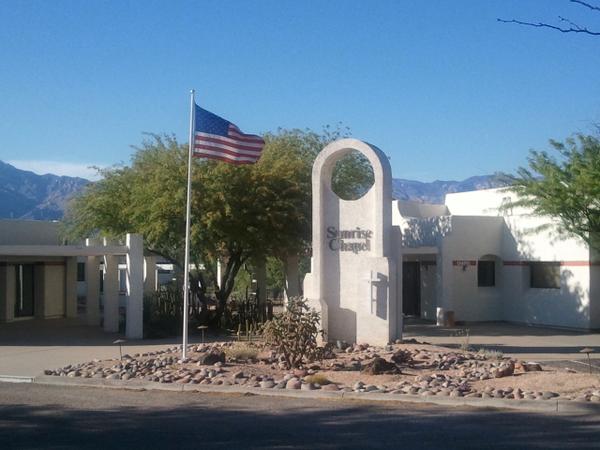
353,279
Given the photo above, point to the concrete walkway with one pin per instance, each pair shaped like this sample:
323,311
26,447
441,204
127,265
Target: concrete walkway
28,347
518,341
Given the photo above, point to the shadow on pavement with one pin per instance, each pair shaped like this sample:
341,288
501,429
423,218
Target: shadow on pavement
296,426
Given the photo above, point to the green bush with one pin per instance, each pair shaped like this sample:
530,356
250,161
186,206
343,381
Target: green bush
294,332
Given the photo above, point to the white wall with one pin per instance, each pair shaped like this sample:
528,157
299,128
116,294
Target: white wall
470,239
521,241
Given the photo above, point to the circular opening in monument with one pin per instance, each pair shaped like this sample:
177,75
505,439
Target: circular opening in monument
352,176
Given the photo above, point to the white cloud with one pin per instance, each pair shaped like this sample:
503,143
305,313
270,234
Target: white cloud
57,168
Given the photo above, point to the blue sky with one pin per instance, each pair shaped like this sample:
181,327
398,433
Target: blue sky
445,90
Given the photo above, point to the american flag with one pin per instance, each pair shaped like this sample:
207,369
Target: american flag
217,138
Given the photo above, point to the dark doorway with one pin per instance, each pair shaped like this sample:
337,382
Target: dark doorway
411,288
25,290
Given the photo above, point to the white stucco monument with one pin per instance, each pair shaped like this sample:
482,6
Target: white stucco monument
353,270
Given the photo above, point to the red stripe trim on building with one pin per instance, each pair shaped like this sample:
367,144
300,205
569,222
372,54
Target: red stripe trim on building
560,263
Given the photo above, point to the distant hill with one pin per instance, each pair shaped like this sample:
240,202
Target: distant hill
435,191
26,195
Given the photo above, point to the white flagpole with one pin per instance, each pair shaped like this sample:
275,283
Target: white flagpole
186,265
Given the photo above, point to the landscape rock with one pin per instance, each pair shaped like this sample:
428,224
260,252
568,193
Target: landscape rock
211,357
380,366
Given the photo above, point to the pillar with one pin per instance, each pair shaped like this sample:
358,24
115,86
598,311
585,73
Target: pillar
39,298
111,292
445,277
150,279
292,277
135,286
4,303
71,287
92,279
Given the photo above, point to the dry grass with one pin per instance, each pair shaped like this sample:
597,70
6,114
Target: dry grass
317,378
242,351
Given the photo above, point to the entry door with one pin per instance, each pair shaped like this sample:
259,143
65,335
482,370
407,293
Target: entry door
411,288
24,290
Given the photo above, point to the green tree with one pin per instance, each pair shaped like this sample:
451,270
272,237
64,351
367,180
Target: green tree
567,187
238,212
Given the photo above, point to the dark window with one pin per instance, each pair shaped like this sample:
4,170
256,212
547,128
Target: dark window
80,271
486,273
545,275
123,280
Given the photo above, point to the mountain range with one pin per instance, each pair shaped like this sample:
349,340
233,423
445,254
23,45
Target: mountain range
26,195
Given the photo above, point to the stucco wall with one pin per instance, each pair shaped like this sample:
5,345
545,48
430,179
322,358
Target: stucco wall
29,232
471,238
568,306
54,290
595,297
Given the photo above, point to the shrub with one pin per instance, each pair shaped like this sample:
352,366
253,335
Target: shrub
241,351
465,339
294,332
317,378
490,354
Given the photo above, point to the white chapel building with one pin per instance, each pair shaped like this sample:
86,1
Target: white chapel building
376,260
481,262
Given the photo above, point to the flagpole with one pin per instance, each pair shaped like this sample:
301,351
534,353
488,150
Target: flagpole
186,264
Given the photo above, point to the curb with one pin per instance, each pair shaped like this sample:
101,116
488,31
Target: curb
548,406
15,379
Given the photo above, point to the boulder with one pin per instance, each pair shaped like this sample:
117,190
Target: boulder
212,357
402,357
505,369
380,366
531,367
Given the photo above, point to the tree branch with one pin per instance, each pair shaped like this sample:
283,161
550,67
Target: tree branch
578,29
587,5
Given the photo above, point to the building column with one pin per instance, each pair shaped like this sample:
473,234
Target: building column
4,303
260,274
292,277
92,279
445,279
39,284
111,291
150,278
71,287
135,287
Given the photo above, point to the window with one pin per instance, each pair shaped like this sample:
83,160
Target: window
80,271
486,273
123,280
545,275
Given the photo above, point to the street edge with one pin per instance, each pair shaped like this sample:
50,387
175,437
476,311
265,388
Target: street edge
549,406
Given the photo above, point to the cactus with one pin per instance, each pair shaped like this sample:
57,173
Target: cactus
294,332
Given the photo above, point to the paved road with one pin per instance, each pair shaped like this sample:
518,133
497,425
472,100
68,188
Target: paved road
34,416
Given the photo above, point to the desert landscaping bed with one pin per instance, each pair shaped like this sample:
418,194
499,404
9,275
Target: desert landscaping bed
408,368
